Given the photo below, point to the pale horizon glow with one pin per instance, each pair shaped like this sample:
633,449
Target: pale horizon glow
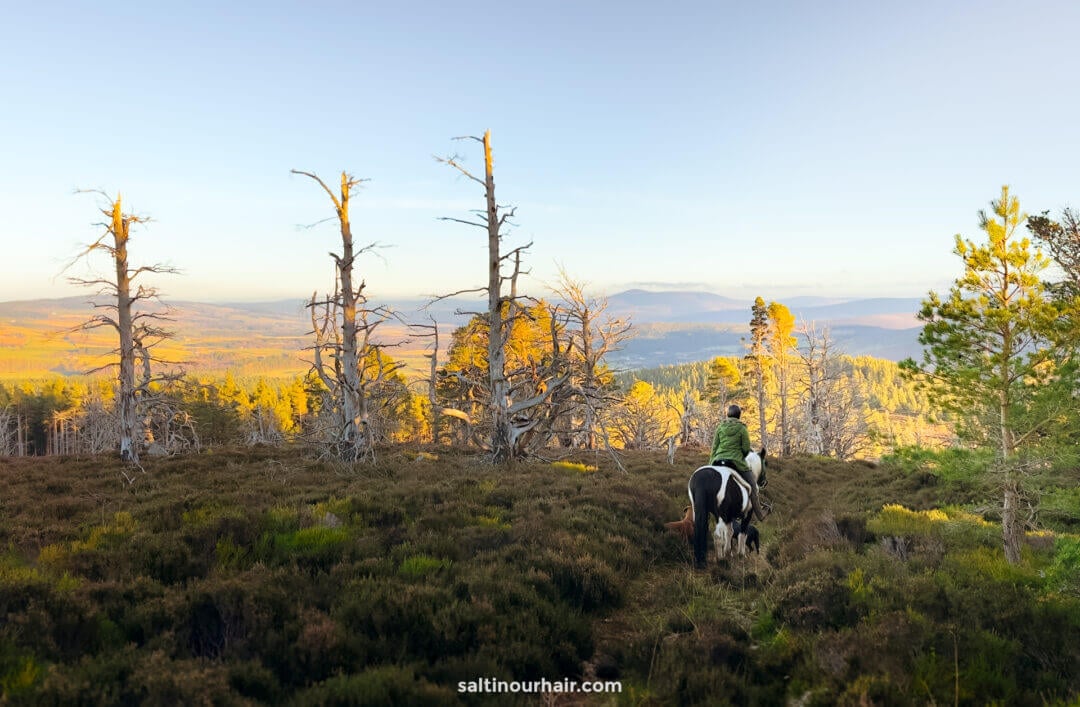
829,149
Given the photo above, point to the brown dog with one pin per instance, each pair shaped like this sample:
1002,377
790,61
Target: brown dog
684,527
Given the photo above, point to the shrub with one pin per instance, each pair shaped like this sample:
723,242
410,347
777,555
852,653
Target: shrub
574,466
1059,507
386,685
19,674
582,580
421,565
1062,574
955,526
252,679
816,594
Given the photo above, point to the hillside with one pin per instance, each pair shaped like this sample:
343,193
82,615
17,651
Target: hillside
257,576
248,339
269,338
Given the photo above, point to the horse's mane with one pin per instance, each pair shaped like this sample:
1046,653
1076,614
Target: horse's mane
753,459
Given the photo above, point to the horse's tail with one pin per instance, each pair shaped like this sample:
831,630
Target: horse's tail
699,497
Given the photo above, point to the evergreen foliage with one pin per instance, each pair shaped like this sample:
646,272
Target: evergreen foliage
1001,352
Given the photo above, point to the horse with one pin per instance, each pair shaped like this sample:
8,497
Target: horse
720,490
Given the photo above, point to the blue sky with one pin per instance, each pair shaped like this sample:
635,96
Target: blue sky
774,149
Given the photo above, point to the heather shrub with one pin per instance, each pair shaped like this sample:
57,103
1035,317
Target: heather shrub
582,580
816,594
953,525
213,581
19,674
252,680
420,565
170,559
384,685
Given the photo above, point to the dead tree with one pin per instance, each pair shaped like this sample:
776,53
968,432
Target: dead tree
591,335
833,422
438,411
63,433
9,432
343,324
139,329
514,412
98,425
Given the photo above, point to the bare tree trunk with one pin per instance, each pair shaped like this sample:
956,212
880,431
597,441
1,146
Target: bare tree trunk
521,405
1010,519
436,416
129,450
343,330
352,404
501,442
138,331
589,382
1011,530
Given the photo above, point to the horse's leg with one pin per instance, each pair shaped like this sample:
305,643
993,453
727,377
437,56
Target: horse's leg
723,541
742,544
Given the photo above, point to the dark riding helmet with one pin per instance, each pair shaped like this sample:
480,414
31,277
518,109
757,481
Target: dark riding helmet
734,411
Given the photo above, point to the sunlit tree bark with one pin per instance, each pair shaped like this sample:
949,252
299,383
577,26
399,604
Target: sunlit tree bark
347,359
139,330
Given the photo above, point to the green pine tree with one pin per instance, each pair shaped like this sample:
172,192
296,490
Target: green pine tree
995,347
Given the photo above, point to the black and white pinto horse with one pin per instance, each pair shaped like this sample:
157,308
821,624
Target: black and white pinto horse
720,491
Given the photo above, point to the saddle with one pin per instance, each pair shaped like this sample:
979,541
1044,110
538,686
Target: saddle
737,476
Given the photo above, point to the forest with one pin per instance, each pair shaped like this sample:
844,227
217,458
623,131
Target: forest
366,534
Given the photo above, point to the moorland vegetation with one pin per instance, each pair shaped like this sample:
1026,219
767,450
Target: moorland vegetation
261,575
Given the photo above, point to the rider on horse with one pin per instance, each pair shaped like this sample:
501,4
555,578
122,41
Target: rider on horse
731,444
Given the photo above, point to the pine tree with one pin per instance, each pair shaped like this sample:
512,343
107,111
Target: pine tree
759,332
724,380
996,348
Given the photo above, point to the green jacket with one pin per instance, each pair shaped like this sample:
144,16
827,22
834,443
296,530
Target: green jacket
731,442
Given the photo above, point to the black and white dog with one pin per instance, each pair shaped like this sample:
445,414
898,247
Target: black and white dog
753,540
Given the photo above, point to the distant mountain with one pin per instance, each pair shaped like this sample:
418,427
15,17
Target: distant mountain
668,343
680,327
852,309
703,307
813,301
662,304
283,307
